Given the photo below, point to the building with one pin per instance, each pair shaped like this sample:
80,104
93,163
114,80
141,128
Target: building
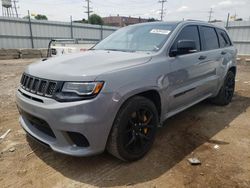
121,21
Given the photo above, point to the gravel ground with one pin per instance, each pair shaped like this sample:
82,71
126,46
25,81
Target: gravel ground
192,133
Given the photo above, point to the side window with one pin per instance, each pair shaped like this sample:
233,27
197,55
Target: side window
223,38
209,38
188,33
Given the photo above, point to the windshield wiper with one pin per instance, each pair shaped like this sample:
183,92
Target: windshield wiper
119,50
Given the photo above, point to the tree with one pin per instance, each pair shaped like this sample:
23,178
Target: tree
41,17
95,19
26,17
152,20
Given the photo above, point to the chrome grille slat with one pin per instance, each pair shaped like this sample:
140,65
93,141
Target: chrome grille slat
29,83
38,86
34,85
41,88
22,79
25,81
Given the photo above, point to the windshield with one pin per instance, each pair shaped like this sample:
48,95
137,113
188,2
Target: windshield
149,37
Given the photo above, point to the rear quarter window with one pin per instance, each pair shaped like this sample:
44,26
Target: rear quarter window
223,38
209,38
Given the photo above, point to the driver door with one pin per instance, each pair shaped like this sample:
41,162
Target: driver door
187,72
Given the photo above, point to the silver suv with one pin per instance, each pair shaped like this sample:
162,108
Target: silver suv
116,95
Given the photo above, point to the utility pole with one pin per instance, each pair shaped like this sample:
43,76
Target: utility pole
88,8
71,27
162,8
228,17
31,33
210,15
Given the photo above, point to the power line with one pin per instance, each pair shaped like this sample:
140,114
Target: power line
210,15
88,8
162,8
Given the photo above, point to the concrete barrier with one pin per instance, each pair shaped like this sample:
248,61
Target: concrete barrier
9,53
30,53
22,53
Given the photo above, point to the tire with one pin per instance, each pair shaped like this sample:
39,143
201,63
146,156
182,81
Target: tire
226,92
134,129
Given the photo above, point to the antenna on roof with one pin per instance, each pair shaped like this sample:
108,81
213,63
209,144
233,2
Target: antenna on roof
210,15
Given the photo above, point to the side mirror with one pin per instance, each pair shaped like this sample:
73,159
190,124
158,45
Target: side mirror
184,47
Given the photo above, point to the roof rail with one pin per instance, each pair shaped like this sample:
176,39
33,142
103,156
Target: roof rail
195,20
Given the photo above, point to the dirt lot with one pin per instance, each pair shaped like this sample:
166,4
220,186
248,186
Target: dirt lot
194,132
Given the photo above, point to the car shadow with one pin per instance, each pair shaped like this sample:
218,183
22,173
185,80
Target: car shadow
180,136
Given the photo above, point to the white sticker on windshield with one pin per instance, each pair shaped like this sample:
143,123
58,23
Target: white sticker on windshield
160,31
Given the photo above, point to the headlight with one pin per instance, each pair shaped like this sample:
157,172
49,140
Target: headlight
89,88
75,91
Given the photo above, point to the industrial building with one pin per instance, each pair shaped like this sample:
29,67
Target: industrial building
121,21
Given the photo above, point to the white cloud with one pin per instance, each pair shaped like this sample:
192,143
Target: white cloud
230,3
225,3
183,9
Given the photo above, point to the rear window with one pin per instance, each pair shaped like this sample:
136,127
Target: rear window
209,38
223,38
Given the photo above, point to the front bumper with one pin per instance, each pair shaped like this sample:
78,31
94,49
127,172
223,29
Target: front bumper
91,118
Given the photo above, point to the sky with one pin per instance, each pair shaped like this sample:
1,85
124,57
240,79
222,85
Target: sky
61,10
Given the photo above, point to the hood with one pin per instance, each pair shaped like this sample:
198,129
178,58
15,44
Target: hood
85,66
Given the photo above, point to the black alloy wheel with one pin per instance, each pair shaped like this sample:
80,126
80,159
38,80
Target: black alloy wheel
226,92
139,131
134,129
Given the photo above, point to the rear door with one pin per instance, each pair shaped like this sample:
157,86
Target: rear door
211,47
227,51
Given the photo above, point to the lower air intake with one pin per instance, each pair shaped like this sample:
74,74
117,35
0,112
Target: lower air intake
78,139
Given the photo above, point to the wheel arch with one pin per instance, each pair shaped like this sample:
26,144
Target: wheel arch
155,97
150,93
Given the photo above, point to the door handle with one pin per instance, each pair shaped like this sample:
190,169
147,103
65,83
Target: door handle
223,53
202,57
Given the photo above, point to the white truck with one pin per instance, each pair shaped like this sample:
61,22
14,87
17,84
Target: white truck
58,47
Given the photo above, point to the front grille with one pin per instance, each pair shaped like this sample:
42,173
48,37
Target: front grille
38,86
